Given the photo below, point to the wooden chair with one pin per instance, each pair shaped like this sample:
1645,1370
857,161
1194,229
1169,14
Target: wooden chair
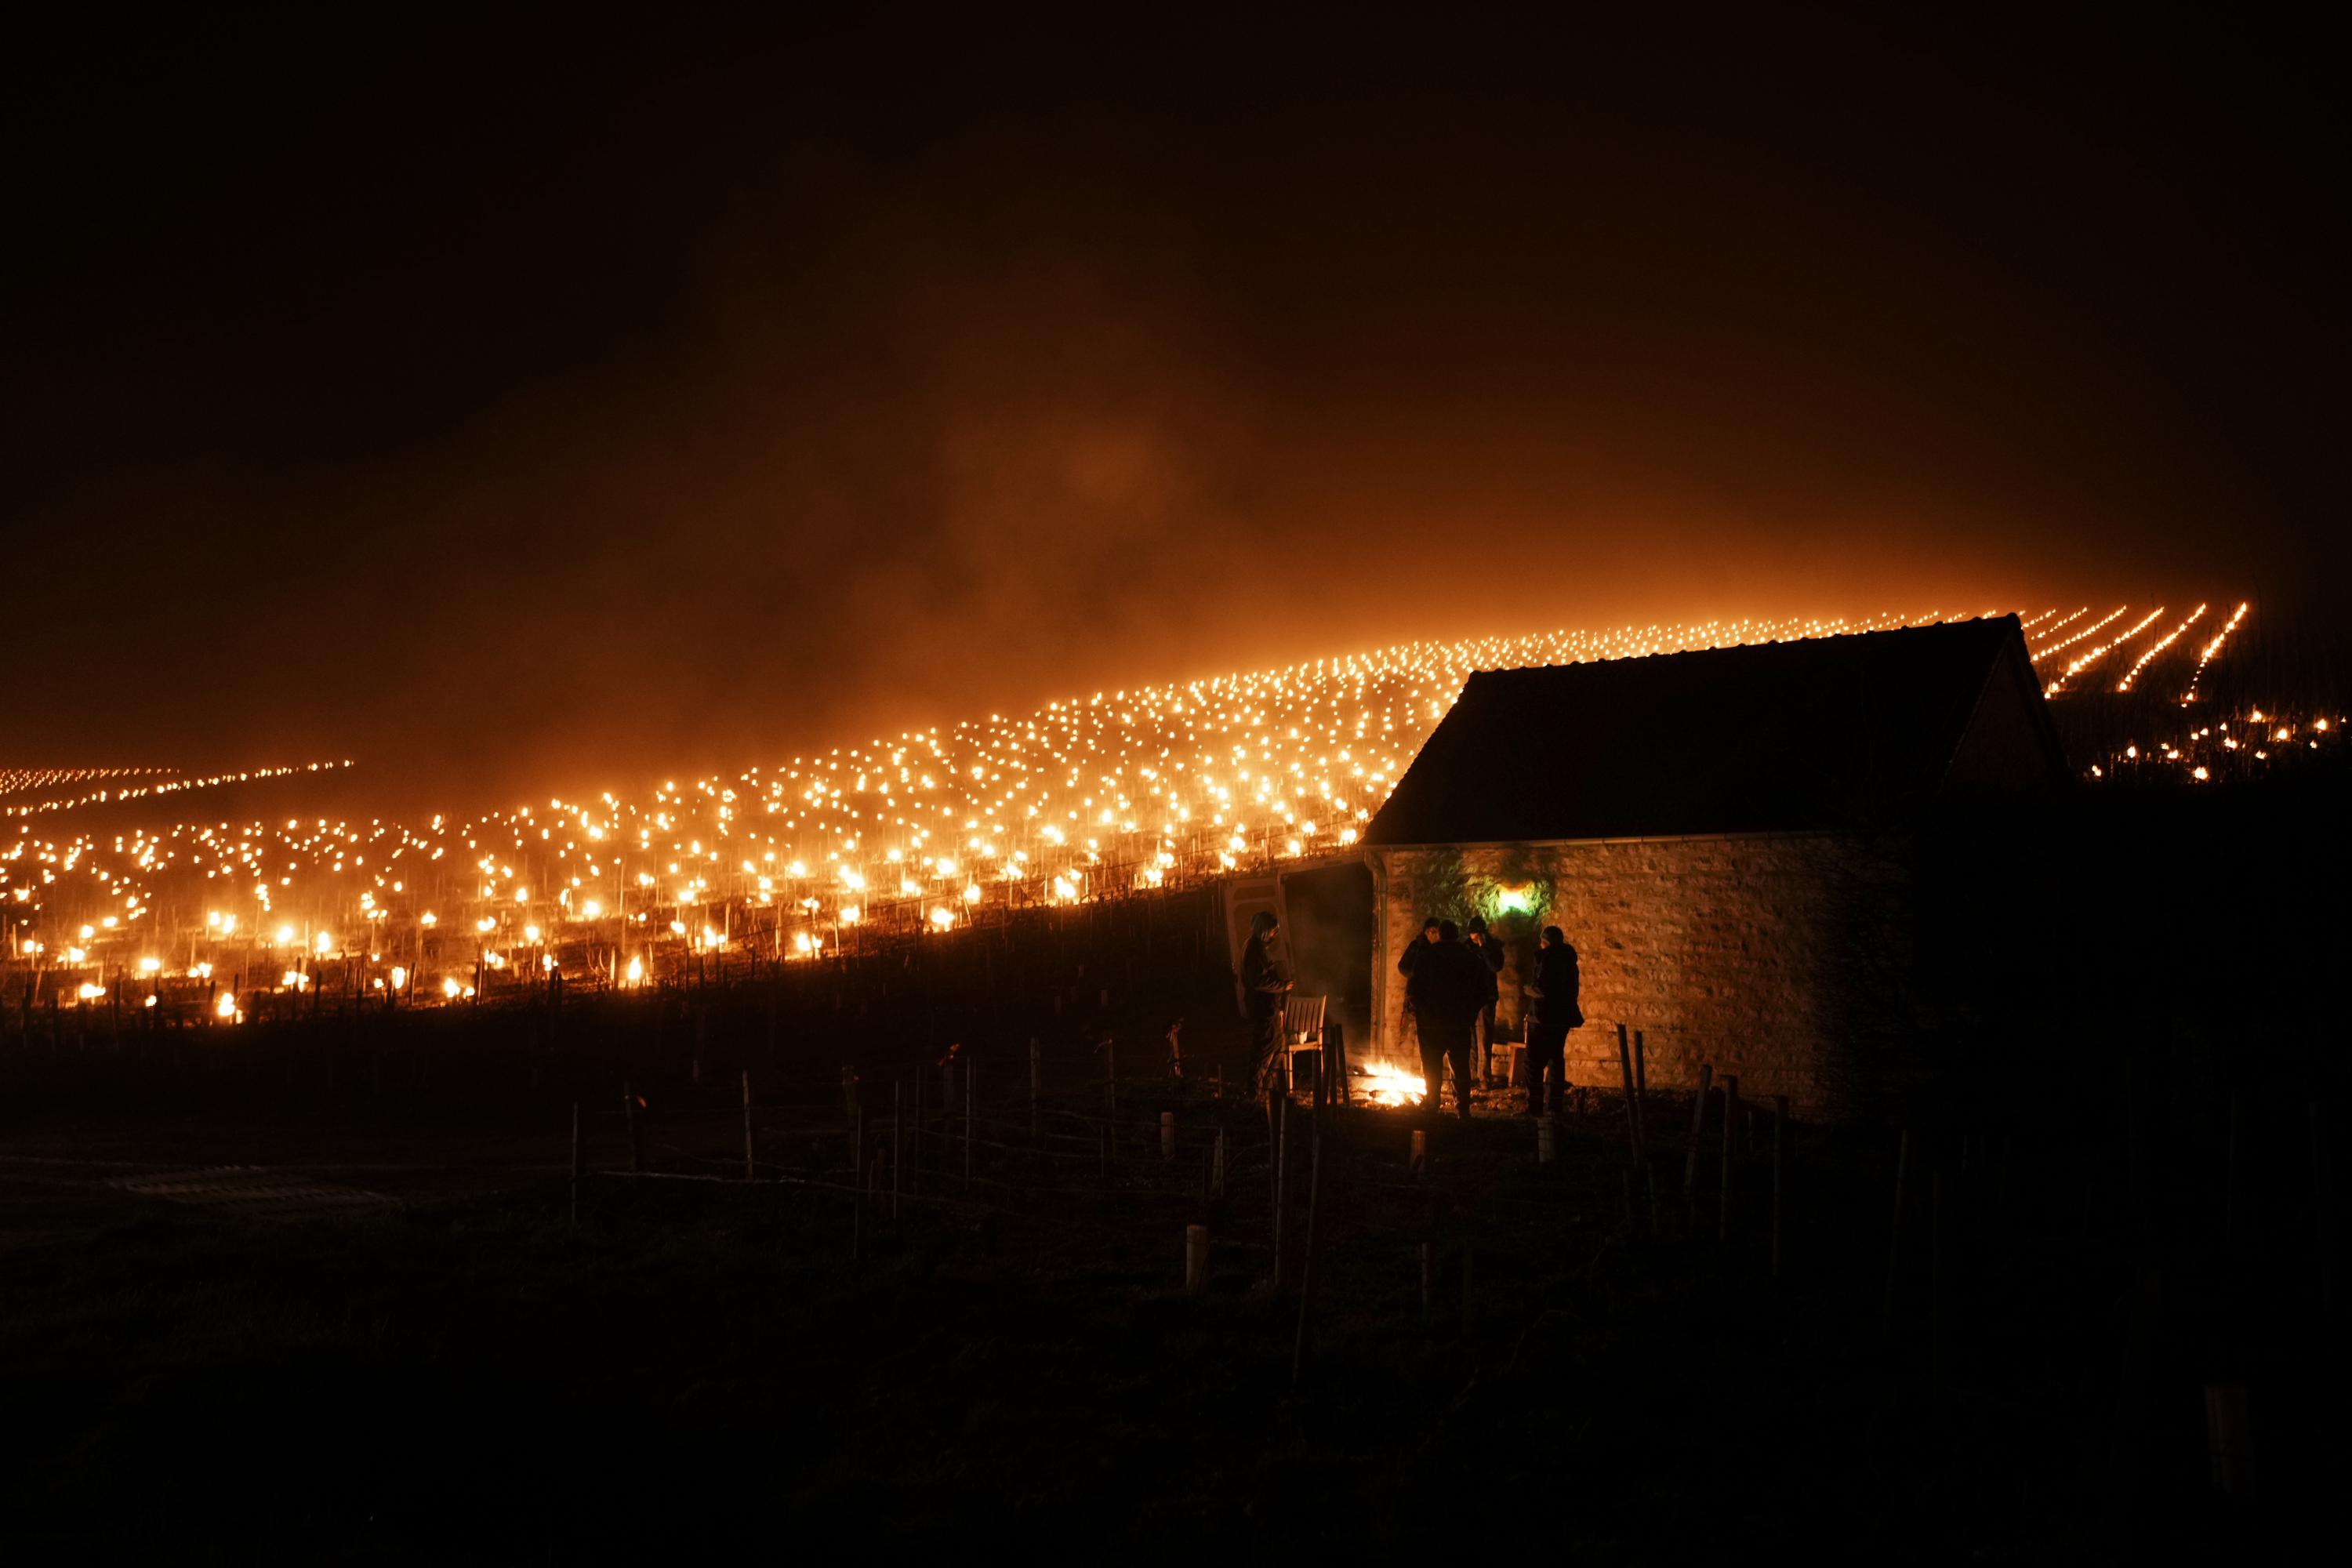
1302,1030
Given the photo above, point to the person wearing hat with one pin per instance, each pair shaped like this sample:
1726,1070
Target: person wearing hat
1410,956
1408,962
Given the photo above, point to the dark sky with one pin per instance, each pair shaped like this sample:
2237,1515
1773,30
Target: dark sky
556,399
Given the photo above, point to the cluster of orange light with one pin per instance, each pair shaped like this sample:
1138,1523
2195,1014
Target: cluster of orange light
16,781
172,784
2098,651
2158,647
2045,633
2205,655
2236,746
1097,795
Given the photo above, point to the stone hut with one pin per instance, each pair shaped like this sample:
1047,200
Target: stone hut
1728,837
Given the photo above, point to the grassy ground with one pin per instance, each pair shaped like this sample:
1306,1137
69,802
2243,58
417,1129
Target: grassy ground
464,1375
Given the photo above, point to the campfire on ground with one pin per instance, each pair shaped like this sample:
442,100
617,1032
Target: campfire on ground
1385,1083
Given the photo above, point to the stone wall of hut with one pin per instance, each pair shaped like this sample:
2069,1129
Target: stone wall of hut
1785,959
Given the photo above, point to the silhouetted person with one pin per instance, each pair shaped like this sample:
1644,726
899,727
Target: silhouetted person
1552,1012
1489,950
1410,960
1263,985
1410,956
1447,990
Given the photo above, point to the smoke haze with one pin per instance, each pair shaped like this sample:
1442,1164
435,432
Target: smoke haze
507,404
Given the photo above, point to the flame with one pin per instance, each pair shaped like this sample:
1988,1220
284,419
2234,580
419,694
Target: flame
1383,1083
1179,783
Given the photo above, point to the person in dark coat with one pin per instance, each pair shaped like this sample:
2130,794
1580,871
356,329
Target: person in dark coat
1552,1012
1410,956
1265,984
1410,960
1489,949
1448,990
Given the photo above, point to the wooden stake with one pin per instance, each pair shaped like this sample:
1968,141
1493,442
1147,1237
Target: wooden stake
750,1164
1196,1259
1895,1232
2322,1195
1307,1279
1642,1077
2230,1173
1697,1132
1167,1135
1780,1174
1937,1315
1335,1043
1281,1188
1633,1108
1730,1119
2228,1437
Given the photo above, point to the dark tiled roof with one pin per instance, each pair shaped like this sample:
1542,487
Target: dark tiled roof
1827,732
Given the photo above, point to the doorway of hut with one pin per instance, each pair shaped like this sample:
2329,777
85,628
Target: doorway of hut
1329,913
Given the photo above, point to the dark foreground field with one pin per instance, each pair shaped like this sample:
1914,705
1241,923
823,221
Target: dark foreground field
310,1288
389,1343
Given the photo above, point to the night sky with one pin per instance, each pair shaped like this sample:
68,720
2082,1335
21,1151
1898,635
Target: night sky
559,399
